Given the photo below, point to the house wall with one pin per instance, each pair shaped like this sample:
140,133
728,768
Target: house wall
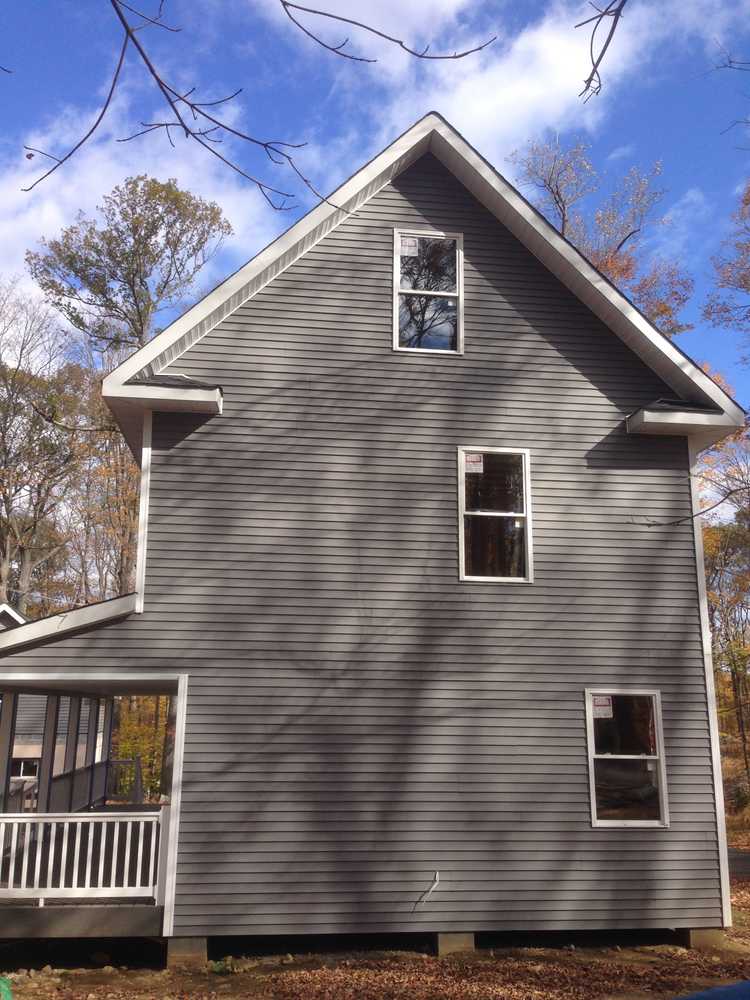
357,718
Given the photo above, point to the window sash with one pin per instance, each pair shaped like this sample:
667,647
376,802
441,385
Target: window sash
658,758
437,295
524,515
458,294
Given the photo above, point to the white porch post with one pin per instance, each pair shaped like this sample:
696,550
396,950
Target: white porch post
109,718
71,742
49,742
7,737
90,752
93,725
71,735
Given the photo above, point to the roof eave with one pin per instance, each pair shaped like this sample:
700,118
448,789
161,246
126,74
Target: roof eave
130,402
44,629
705,428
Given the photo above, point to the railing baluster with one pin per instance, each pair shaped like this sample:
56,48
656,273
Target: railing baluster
12,859
25,856
76,854
113,873
64,856
152,857
126,866
38,845
89,852
102,851
139,865
51,860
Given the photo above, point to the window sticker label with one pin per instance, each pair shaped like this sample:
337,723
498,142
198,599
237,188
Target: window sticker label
409,246
475,463
602,706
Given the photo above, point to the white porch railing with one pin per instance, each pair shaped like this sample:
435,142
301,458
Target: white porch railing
82,855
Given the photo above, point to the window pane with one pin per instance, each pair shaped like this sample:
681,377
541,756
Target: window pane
494,482
624,724
428,264
494,546
627,789
427,322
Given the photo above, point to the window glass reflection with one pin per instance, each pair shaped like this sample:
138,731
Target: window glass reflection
627,789
494,481
625,724
494,546
427,322
428,264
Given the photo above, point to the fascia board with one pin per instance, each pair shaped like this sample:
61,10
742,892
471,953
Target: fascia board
162,398
67,622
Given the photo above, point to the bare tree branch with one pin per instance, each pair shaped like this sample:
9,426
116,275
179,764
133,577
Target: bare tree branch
72,428
209,130
613,11
4,69
699,513
338,50
156,21
94,127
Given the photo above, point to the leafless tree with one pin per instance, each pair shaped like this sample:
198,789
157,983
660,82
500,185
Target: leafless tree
201,120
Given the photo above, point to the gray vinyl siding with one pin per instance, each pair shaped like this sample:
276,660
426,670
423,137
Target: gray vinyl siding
358,718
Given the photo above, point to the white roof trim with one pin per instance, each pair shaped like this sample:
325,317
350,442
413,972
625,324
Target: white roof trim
434,134
68,621
675,421
156,397
6,609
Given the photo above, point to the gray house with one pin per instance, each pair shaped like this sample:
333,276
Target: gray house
419,567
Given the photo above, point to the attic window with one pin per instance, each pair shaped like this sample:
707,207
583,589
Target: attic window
428,279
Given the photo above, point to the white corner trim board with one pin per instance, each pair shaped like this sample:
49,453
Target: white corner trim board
67,621
140,566
713,718
432,134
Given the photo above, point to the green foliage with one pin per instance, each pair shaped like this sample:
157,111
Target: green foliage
139,731
110,277
223,966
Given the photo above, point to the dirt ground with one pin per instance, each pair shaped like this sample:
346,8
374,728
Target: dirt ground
571,973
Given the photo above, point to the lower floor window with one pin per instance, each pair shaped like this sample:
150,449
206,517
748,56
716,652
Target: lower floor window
626,758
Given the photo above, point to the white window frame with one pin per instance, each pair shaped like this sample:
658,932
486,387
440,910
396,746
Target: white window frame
524,515
458,295
659,757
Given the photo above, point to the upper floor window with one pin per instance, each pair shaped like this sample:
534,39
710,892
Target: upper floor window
626,758
494,515
428,278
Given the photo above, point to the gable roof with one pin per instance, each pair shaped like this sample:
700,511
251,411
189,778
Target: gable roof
125,389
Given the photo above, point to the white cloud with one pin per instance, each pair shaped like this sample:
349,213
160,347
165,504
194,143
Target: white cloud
676,238
102,163
620,152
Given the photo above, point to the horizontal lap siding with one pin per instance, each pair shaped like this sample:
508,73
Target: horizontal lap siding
358,719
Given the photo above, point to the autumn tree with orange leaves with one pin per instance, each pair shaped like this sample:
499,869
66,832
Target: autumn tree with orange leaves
610,231
729,305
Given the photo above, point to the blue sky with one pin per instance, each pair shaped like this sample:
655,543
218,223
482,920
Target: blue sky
662,100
